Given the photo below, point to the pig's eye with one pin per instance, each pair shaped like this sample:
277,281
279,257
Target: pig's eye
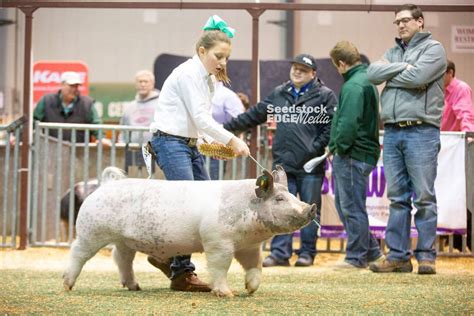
279,198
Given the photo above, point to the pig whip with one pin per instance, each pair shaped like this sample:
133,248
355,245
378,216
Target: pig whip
218,151
221,151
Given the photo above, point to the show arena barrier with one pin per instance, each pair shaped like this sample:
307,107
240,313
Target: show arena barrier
57,165
9,162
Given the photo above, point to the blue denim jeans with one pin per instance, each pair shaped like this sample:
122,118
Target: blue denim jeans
309,188
350,184
410,160
214,168
178,161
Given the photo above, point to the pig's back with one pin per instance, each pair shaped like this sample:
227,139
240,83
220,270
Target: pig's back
142,207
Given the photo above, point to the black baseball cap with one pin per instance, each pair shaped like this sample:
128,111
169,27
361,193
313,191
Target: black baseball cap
305,60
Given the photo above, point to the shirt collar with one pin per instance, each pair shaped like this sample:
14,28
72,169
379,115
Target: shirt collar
202,70
404,45
352,71
417,38
297,93
153,95
69,106
451,86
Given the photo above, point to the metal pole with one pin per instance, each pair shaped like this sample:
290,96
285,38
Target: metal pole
289,33
254,85
25,140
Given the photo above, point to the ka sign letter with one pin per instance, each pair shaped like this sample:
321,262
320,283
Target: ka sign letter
47,77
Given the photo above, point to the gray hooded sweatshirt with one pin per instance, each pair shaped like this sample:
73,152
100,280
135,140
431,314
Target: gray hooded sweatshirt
416,93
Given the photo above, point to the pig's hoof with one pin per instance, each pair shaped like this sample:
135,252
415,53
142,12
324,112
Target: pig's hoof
66,286
251,286
222,293
134,287
252,280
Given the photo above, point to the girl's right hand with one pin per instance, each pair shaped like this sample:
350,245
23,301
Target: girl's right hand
239,146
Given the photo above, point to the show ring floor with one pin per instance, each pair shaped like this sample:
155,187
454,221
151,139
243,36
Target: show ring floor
55,259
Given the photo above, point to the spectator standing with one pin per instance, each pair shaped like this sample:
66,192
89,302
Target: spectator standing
458,113
67,106
302,108
139,112
458,116
412,102
356,149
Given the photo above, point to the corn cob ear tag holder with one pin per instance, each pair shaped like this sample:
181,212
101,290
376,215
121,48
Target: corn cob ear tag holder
264,185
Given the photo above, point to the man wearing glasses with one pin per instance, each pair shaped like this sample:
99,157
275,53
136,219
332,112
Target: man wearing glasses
412,102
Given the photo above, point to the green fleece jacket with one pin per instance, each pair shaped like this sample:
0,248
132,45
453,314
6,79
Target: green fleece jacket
354,129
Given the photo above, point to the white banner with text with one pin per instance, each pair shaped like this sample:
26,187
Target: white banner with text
450,189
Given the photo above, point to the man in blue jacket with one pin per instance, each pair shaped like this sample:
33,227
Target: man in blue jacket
412,103
302,109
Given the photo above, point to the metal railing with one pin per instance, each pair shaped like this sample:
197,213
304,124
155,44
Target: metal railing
10,162
58,164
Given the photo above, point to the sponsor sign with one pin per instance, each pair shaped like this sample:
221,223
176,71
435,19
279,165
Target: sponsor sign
111,99
462,38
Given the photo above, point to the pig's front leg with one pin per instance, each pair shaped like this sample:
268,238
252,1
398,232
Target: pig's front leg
219,253
251,260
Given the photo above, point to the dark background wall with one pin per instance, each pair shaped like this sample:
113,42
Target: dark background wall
272,73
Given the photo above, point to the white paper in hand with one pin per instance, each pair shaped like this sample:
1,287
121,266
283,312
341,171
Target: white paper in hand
311,164
147,157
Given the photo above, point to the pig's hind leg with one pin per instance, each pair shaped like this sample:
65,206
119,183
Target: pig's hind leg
123,257
81,251
251,261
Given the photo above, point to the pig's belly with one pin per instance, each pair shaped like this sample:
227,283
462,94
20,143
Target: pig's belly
164,250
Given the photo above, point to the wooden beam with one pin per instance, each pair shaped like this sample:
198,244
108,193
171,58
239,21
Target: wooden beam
226,6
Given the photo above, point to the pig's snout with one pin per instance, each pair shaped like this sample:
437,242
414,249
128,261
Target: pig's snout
311,211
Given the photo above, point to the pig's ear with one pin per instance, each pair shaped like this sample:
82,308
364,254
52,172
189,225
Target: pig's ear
280,175
264,185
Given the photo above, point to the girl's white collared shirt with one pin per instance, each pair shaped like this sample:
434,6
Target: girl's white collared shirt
184,107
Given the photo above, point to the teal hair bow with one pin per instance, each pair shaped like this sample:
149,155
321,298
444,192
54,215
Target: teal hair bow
216,23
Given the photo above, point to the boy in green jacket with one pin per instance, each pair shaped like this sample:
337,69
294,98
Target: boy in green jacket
355,146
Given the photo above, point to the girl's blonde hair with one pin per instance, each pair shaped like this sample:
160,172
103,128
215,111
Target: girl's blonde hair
208,40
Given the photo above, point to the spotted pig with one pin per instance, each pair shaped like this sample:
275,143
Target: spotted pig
224,219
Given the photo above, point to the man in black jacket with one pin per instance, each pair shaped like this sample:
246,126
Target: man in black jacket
302,108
